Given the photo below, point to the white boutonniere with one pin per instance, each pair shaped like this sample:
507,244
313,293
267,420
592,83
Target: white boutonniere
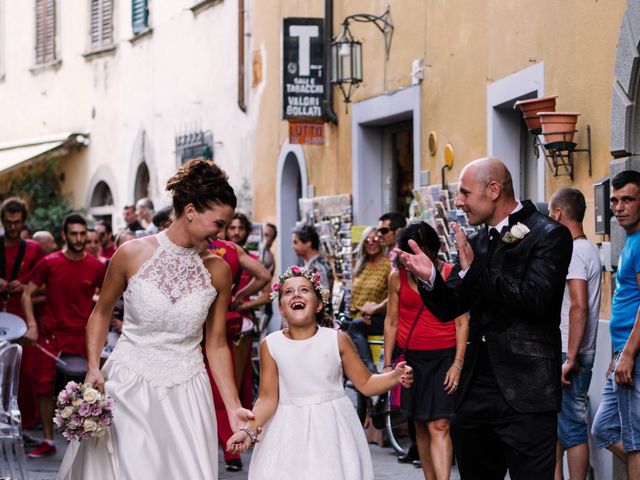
516,233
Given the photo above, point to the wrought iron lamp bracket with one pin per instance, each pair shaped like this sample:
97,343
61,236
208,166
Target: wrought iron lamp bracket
382,22
560,155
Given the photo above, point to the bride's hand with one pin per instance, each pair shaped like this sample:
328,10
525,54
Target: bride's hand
95,378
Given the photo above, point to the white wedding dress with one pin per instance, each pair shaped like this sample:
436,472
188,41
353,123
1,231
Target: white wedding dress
164,424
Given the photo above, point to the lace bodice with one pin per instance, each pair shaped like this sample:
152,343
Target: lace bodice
166,304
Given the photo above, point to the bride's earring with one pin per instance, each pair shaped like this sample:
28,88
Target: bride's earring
189,217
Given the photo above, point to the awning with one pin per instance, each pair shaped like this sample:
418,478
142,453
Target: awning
18,153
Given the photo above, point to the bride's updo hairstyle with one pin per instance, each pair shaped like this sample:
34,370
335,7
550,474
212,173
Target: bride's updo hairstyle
202,183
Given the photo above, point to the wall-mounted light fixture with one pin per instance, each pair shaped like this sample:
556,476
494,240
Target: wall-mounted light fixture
557,130
346,51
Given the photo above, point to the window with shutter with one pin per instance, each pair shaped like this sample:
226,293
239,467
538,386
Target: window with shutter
139,15
45,31
101,26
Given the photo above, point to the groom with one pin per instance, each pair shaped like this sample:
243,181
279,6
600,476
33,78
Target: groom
510,277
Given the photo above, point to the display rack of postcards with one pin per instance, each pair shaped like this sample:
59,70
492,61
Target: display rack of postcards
434,205
332,217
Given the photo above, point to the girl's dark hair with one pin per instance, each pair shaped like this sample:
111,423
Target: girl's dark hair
424,235
308,233
202,183
323,317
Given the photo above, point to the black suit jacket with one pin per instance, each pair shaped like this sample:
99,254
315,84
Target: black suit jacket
514,296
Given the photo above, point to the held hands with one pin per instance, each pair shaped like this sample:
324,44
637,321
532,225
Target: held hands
404,373
239,418
243,439
15,286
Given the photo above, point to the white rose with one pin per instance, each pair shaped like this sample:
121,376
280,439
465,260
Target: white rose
77,402
66,412
90,425
519,231
90,395
99,432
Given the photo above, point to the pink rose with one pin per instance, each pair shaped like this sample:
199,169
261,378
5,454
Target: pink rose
275,287
316,277
296,269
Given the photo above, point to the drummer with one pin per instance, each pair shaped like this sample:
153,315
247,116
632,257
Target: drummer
18,257
71,277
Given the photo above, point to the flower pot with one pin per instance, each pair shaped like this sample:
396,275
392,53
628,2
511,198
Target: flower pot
558,126
531,107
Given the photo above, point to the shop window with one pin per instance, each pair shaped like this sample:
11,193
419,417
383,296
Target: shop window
45,31
101,31
139,16
197,144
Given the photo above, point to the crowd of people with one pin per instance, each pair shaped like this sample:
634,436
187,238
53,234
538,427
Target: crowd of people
495,353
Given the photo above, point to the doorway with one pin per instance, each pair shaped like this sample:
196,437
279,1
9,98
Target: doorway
397,167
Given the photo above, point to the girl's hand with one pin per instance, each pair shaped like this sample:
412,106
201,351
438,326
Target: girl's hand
451,380
95,378
405,374
239,442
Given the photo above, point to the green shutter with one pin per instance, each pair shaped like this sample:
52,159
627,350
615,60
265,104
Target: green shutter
139,15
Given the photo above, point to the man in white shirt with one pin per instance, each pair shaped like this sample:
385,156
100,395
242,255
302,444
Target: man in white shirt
578,327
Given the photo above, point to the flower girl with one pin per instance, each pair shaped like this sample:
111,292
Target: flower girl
309,426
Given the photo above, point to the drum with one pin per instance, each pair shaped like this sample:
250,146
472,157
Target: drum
12,327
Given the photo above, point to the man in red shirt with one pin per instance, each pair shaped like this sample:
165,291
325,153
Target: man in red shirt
18,258
72,277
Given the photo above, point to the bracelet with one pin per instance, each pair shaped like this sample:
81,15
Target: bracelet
456,366
387,365
252,436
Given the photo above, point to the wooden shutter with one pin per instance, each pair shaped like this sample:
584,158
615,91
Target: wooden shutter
101,33
95,23
139,15
107,22
45,31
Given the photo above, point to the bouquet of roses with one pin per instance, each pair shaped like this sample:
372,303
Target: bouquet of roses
82,412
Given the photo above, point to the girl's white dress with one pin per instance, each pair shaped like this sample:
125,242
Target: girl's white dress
164,424
315,432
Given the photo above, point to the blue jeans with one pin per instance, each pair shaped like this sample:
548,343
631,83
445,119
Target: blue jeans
618,417
359,331
572,419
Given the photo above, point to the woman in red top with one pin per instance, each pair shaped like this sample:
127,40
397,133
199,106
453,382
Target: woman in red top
435,351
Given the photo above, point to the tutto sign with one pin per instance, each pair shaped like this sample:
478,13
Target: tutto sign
303,69
306,133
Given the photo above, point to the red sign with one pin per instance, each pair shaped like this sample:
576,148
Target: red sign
306,133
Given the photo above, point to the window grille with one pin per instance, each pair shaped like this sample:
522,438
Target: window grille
45,31
194,145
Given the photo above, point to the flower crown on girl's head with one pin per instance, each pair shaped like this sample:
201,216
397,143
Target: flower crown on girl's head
313,277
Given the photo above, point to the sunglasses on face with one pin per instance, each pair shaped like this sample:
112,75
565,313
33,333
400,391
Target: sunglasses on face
371,241
385,230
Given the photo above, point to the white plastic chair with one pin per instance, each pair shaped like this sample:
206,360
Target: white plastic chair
12,458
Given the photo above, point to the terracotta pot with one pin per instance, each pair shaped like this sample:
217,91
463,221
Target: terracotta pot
558,126
531,107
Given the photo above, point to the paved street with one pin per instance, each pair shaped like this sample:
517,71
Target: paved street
384,463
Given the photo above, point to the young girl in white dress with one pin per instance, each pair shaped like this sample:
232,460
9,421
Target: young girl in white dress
309,426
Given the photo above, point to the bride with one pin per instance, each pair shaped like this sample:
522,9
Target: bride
164,423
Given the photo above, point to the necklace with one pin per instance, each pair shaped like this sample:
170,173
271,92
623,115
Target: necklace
579,237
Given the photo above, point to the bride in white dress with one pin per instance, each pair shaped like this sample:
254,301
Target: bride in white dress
164,424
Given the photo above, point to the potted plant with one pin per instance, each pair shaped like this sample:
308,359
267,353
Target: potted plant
558,126
532,106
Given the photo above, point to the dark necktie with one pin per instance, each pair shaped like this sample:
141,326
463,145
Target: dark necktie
494,236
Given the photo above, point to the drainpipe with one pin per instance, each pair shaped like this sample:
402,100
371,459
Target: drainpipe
241,60
328,88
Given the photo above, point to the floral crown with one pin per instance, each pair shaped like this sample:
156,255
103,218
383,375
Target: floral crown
313,277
